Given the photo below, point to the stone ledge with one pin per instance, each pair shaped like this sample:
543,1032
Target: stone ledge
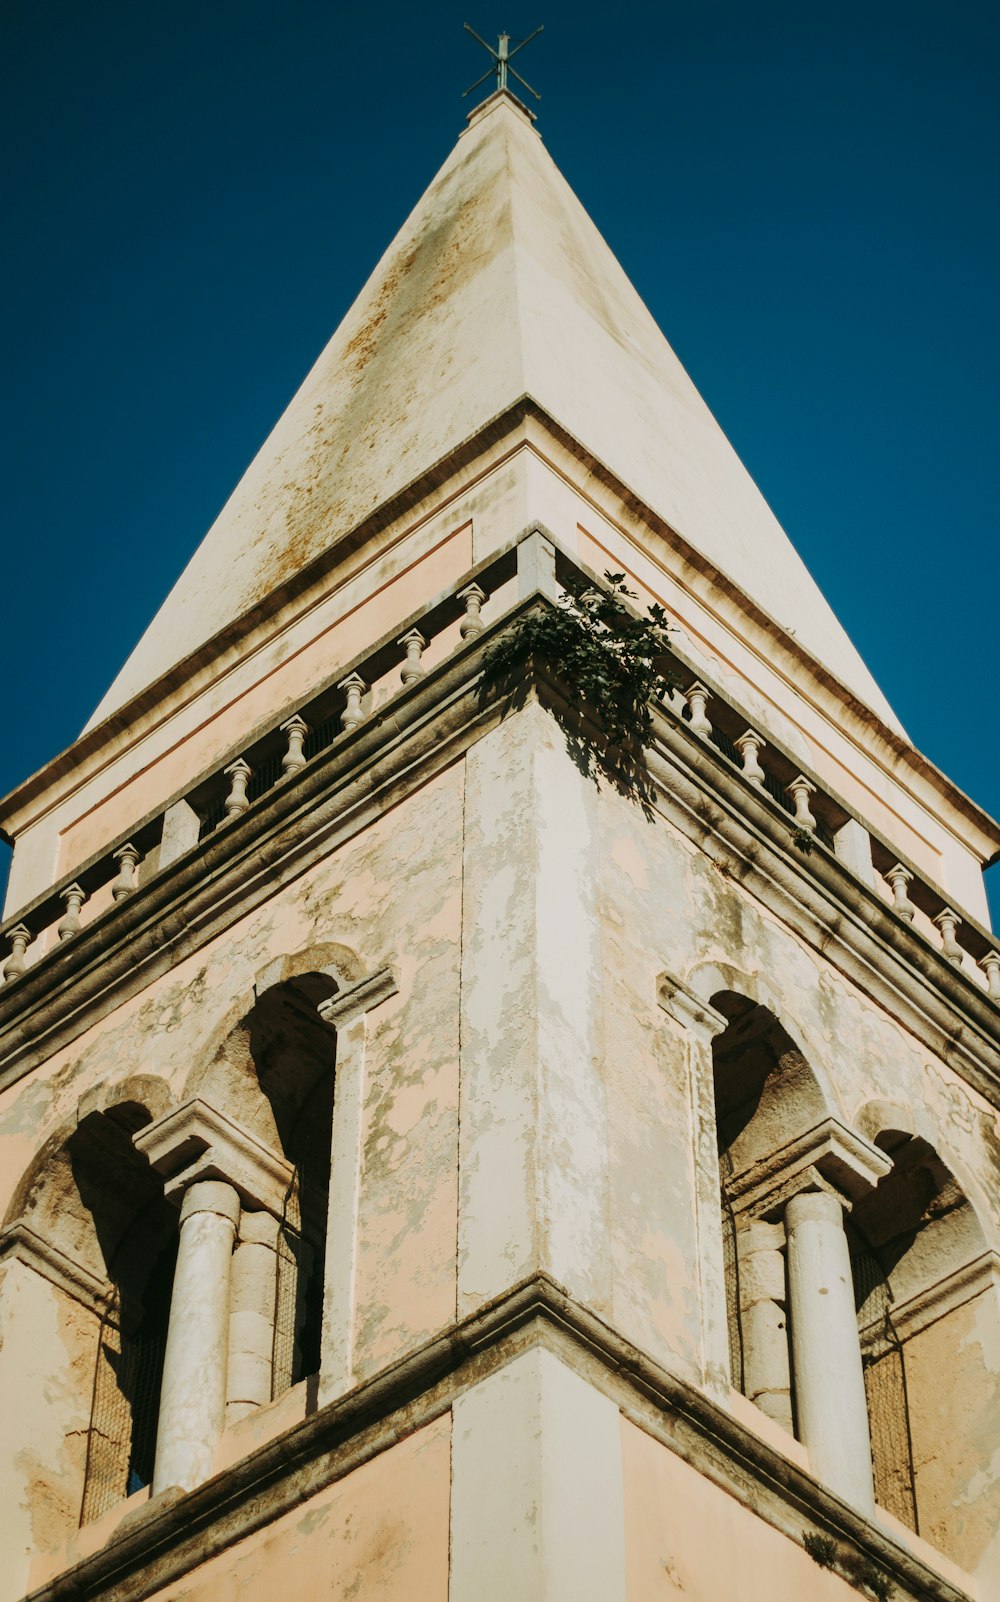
166,1540
22,1244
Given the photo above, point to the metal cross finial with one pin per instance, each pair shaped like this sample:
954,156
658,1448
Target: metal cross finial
501,61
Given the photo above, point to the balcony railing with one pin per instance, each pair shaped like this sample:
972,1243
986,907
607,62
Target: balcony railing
278,754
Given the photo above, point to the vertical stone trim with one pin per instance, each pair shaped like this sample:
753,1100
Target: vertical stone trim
701,1023
193,1392
537,1509
826,1351
536,566
251,1320
533,1155
348,1012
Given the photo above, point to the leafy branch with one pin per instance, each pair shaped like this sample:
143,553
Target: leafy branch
612,664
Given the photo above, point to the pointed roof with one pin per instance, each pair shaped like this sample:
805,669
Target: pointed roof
497,286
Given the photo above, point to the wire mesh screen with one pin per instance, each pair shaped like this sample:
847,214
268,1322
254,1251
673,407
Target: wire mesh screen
731,1266
286,1312
885,1389
122,1439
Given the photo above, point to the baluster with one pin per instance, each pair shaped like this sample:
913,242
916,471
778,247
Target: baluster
750,745
948,922
991,967
20,938
697,697
354,688
472,598
127,858
74,896
294,758
898,878
239,774
800,790
415,645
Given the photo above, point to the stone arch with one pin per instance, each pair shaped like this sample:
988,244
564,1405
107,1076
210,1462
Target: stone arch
772,1113
709,979
926,1286
90,1241
271,1069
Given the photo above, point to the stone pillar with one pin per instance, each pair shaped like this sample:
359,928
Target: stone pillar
193,1392
536,565
700,1024
537,1488
347,1012
826,1353
764,1321
181,824
252,1314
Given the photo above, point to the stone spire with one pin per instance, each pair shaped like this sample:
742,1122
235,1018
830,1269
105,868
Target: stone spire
498,286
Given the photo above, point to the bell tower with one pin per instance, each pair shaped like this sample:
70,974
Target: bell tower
434,1167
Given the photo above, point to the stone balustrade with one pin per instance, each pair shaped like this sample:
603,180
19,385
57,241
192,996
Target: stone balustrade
397,664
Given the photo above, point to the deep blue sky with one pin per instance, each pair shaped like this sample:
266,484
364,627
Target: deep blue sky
804,194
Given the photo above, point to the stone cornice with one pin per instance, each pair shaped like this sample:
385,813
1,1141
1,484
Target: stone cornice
423,729
170,1536
514,426
936,1301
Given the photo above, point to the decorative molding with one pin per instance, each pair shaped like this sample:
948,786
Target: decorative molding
926,1306
364,996
19,1242
170,1536
687,1009
196,1141
234,870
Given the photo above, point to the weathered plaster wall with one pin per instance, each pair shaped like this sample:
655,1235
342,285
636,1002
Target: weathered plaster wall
378,1535
48,1348
527,1104
390,898
686,1538
953,1380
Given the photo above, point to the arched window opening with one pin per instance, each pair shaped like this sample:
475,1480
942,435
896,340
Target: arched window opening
915,1242
95,1203
136,1233
275,1075
765,1094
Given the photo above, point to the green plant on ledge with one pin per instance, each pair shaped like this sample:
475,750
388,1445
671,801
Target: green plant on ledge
611,663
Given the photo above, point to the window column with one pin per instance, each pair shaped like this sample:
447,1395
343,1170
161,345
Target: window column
826,1350
215,1169
801,1192
193,1391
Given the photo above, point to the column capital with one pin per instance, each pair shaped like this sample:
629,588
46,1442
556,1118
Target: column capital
211,1196
687,1009
829,1157
196,1142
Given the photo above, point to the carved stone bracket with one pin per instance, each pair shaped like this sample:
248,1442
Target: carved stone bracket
348,1004
829,1156
687,1009
196,1142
